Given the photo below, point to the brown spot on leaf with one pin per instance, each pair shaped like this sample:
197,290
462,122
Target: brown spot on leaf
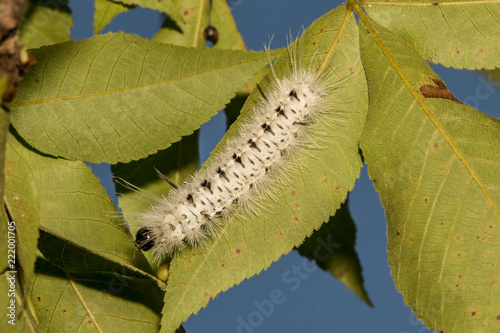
458,238
435,146
296,205
498,317
435,4
281,233
206,294
324,181
296,219
238,250
351,69
337,188
425,200
89,321
293,193
459,255
322,30
64,311
437,90
38,299
457,285
222,265
457,50
314,43
490,226
473,313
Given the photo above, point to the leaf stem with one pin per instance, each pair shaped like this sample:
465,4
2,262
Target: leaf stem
83,302
334,43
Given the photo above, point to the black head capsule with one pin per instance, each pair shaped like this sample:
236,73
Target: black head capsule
144,239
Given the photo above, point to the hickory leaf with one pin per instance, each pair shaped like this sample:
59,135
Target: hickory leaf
106,11
106,301
332,248
190,33
250,242
117,97
434,162
454,33
45,23
71,205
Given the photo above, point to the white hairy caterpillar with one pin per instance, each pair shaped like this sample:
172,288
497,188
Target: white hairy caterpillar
278,125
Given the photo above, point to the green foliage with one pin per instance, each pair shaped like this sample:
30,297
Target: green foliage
138,104
87,100
332,248
434,168
45,23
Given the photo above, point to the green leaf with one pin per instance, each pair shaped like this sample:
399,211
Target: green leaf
4,127
74,207
189,33
176,163
21,199
106,11
96,301
454,33
316,186
197,17
118,97
22,319
169,7
45,23
332,248
434,162
222,19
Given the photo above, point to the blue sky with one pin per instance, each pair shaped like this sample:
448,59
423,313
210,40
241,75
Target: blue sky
319,303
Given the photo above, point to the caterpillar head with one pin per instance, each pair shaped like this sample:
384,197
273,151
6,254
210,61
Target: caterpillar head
144,239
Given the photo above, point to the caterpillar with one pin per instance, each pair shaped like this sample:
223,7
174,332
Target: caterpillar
279,124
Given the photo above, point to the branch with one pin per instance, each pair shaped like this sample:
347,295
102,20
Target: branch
14,60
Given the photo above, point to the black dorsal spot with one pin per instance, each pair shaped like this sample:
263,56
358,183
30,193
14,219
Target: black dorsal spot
208,185
280,112
237,159
267,128
253,145
222,173
189,198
